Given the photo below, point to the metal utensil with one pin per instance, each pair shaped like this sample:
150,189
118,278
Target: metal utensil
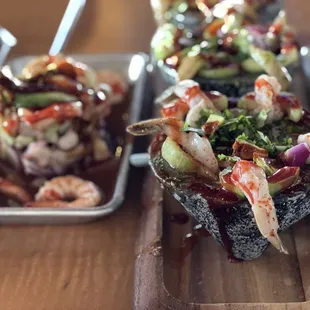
67,24
7,42
139,159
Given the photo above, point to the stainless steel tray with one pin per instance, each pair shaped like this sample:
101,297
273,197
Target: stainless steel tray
133,66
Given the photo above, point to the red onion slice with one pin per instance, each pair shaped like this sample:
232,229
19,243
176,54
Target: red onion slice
297,155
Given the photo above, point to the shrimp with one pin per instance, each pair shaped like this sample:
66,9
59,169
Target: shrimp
189,91
197,147
251,180
59,112
55,192
63,65
267,90
190,101
14,191
118,84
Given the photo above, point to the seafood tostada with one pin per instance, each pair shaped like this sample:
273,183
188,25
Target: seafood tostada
228,54
52,115
189,13
240,168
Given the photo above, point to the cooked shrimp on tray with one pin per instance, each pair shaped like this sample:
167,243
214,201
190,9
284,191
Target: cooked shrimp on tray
53,116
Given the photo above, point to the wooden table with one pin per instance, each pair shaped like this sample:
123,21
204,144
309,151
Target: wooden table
82,266
71,267
79,266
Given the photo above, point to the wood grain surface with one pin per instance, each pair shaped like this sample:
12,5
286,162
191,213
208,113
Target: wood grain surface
205,279
82,266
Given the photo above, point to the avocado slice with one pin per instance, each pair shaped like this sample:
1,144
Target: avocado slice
247,102
163,42
43,99
251,66
219,100
176,157
283,179
219,73
216,118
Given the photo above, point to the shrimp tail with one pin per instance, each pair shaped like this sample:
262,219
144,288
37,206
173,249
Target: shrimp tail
152,126
251,180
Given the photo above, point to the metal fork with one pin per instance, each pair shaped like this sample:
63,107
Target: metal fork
67,25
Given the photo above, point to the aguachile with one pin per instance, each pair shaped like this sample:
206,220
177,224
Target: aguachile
247,179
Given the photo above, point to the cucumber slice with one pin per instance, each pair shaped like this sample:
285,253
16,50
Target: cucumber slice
163,41
176,157
271,65
43,99
216,118
23,141
51,134
251,66
290,58
219,73
219,100
6,137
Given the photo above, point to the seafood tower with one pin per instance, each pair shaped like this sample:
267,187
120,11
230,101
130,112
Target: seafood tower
52,116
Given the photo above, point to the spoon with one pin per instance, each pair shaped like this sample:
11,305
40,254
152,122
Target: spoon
7,42
67,24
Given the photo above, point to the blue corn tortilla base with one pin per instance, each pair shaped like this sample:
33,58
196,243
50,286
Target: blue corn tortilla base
238,232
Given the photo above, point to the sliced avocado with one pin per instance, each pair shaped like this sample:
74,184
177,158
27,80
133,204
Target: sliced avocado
219,100
163,42
43,99
251,66
271,65
189,67
289,58
216,118
295,115
247,102
283,179
22,141
176,157
241,41
51,134
261,162
219,73
291,106
228,184
6,137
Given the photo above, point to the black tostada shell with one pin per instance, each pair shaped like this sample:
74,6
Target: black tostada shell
233,226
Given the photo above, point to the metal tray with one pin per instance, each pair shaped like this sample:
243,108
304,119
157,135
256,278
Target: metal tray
132,66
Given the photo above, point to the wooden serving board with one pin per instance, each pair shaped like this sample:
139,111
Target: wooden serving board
170,275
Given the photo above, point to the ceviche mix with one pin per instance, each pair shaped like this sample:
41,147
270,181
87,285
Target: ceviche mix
253,148
228,44
53,115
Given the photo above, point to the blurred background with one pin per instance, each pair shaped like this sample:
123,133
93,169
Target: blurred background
105,25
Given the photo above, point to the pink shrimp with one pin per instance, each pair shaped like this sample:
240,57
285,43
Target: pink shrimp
190,100
199,148
251,180
14,191
267,89
54,193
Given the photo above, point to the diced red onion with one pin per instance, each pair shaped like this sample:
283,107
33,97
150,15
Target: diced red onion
297,155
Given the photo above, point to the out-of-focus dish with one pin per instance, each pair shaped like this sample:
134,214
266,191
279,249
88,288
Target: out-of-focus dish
240,169
228,53
55,201
192,12
53,115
